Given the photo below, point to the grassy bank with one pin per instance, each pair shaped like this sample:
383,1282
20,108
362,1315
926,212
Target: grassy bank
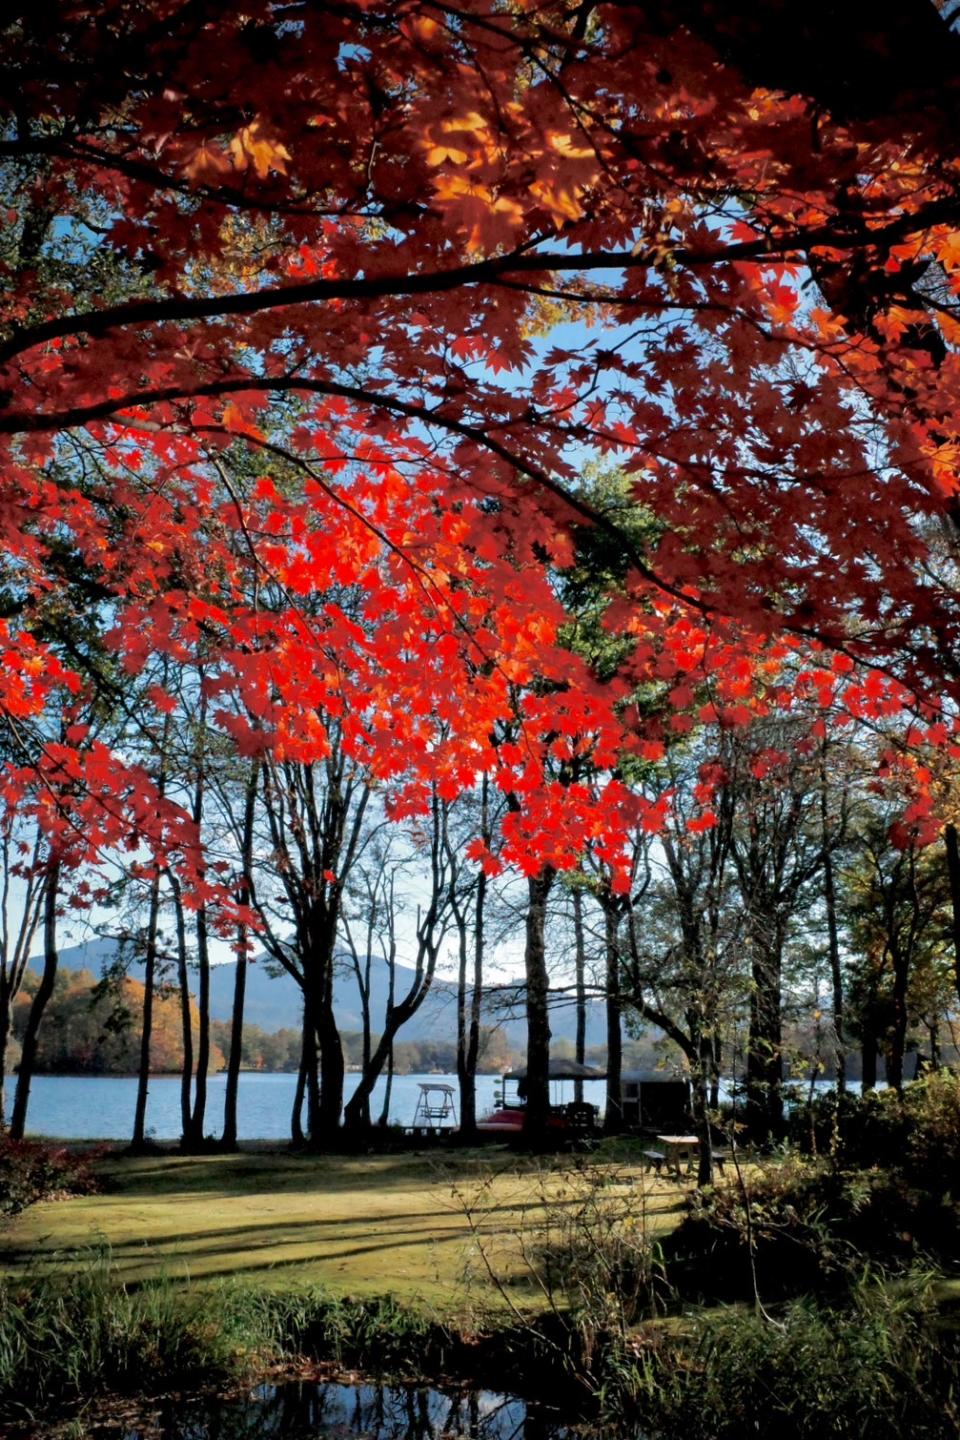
570,1277
408,1223
880,1364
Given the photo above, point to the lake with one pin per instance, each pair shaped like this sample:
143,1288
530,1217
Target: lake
100,1107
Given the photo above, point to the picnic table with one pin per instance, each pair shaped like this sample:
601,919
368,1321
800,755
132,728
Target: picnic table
677,1149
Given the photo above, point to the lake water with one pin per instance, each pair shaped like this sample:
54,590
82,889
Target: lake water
307,1411
100,1107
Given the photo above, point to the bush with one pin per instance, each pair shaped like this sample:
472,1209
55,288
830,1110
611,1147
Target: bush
915,1134
811,1227
881,1365
31,1171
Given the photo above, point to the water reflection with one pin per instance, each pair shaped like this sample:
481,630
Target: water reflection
351,1412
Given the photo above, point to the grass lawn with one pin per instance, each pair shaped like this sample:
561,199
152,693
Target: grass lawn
406,1224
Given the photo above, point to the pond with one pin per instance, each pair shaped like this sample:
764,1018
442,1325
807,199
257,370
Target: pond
330,1411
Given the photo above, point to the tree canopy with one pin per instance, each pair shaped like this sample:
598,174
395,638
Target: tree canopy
314,316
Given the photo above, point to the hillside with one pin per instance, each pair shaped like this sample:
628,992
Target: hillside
273,1001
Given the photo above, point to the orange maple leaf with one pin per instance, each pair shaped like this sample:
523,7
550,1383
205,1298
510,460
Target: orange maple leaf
207,163
252,146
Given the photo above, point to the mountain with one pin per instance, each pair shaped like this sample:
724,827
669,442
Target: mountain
273,1001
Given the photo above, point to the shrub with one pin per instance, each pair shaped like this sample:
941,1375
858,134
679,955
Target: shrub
915,1133
31,1171
811,1227
880,1365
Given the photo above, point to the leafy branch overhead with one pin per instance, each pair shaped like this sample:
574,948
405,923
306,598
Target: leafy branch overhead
319,325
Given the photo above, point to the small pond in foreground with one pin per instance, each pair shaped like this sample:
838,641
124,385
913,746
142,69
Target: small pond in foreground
331,1411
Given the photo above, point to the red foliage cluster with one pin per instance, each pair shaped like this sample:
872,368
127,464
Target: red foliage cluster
334,304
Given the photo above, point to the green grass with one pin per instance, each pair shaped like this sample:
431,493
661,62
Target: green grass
364,1225
80,1335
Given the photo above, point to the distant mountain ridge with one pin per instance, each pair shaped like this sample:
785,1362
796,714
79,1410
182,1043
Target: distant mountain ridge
273,1001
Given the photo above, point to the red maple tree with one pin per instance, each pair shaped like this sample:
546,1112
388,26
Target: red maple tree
304,301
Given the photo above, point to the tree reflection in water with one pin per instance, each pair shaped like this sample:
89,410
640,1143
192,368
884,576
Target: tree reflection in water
306,1411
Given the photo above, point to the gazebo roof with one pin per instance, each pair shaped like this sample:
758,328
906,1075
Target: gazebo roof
562,1070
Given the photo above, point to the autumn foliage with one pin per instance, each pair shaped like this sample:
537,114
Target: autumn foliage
313,318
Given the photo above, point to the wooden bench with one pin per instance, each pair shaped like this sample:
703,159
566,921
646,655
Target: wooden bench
653,1160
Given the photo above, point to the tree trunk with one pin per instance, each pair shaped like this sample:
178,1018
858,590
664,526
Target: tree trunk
331,1065
28,1050
764,1079
868,1062
139,1137
309,1062
356,1112
830,902
580,964
933,1031
228,1140
538,1013
952,843
468,1014
186,1019
613,1113
198,1115
199,1111
297,1137
391,992
700,1066
5,1017
358,1106
898,1029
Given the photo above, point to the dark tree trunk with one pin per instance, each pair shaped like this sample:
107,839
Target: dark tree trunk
538,1013
868,1061
613,1114
700,1068
384,1117
198,1114
356,1112
297,1137
952,843
4,1042
228,1140
388,1088
367,1047
309,1062
764,1079
933,1031
229,1137
358,1106
465,1081
28,1049
186,1019
580,964
138,1139
468,1013
830,903
897,1046
716,1063
331,1064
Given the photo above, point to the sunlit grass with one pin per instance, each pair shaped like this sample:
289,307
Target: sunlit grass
408,1224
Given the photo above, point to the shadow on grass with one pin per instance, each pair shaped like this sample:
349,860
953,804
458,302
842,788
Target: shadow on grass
282,1232
239,1175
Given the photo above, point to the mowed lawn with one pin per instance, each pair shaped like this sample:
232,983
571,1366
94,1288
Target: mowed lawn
413,1225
